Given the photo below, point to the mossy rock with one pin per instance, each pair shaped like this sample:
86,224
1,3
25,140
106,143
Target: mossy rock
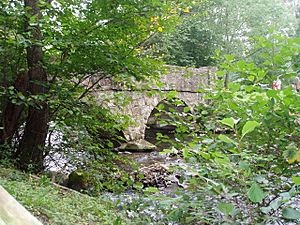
78,180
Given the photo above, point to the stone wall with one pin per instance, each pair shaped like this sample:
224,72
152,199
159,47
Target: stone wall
138,104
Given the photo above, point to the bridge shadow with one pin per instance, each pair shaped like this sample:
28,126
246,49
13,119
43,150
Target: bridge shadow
163,124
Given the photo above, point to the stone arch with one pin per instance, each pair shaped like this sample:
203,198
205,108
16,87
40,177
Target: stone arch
152,124
139,110
185,81
141,106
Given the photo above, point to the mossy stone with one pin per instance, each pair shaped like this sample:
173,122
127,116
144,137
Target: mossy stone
78,180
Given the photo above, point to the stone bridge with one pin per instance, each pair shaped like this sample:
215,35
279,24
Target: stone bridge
140,103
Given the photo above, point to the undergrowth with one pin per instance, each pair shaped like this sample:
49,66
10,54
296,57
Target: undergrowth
56,206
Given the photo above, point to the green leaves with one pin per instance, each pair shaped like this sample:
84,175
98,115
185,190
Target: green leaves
230,122
234,86
226,139
292,154
296,180
150,190
226,208
249,127
255,193
171,95
118,221
290,213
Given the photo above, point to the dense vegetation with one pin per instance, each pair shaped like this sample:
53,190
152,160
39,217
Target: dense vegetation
50,51
226,26
240,149
53,205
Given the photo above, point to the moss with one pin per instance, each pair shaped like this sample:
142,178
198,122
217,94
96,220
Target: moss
78,180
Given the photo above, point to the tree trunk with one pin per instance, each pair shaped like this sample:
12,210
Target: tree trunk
226,80
30,154
12,112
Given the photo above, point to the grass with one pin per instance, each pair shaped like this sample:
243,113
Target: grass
56,206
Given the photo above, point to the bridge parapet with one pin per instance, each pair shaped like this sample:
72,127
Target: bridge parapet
181,79
185,79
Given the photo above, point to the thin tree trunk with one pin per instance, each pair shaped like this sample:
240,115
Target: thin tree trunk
226,80
30,154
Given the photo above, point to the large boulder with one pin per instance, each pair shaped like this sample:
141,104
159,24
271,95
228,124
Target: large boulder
78,180
138,145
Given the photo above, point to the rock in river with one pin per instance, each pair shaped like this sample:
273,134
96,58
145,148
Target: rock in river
138,145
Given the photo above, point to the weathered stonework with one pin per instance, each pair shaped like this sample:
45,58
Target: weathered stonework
140,103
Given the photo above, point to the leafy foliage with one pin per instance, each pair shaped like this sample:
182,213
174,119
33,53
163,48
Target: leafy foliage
80,43
243,150
226,26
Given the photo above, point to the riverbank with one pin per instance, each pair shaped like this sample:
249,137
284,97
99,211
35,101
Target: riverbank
56,206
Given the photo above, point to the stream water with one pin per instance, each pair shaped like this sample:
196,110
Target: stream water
138,204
